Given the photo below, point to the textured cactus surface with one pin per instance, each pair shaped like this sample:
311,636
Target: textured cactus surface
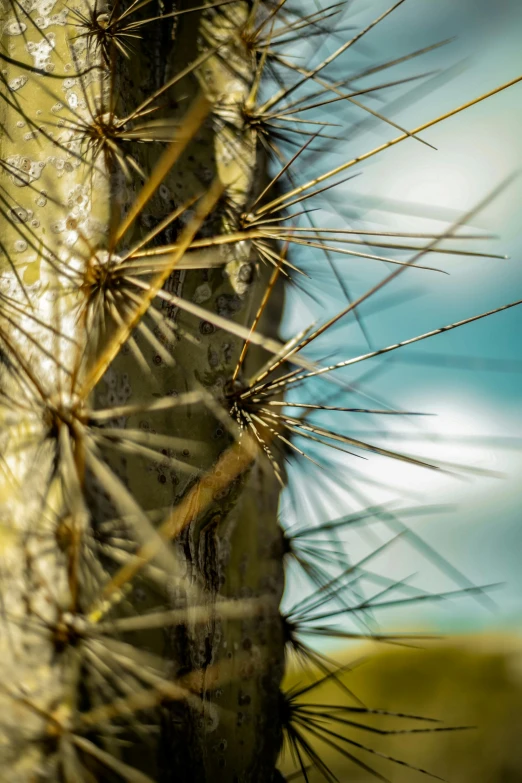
144,428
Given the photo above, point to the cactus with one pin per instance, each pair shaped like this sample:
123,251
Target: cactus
146,243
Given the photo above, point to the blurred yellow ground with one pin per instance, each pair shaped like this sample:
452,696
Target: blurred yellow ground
463,681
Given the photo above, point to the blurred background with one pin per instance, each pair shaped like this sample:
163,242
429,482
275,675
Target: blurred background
473,682
468,380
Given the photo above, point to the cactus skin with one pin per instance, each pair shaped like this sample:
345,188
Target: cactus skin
66,204
44,183
78,502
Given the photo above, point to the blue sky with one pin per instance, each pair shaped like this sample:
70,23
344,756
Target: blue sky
415,188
